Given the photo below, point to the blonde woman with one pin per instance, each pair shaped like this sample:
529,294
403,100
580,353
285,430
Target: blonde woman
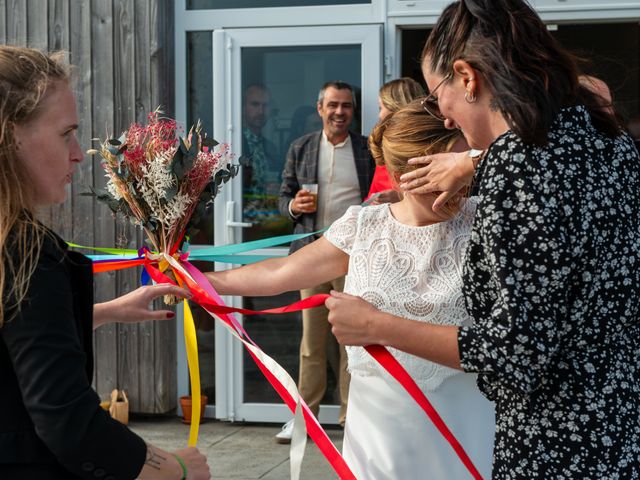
51,424
407,260
392,97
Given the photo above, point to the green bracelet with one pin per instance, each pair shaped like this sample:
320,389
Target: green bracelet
182,465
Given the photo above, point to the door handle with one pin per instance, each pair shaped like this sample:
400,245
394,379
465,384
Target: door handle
230,217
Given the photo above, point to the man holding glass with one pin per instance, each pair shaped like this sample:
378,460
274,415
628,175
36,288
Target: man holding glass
325,173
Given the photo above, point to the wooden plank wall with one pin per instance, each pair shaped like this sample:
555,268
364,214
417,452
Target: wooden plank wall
122,51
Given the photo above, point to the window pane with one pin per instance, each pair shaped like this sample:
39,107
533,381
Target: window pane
199,101
221,4
199,105
200,79
280,90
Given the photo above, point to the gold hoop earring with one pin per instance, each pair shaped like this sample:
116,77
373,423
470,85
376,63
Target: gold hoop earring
470,96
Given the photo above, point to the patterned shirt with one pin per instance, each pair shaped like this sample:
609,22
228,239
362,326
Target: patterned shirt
552,280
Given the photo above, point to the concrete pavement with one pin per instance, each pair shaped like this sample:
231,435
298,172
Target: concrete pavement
238,451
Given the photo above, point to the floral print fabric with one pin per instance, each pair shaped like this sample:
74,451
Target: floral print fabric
552,280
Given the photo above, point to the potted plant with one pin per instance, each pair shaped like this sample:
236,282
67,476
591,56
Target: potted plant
185,404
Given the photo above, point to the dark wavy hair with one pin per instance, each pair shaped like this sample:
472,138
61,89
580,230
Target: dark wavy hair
530,75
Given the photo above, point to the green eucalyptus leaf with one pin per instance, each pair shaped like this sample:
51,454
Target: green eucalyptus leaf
179,170
171,192
114,205
193,150
123,172
126,209
101,194
183,146
178,156
209,142
200,209
223,176
152,224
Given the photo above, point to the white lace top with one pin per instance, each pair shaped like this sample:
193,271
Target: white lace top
412,272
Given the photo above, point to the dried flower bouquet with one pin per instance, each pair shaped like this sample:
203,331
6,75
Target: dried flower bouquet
161,181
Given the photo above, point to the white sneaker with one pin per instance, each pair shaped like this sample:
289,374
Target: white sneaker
285,434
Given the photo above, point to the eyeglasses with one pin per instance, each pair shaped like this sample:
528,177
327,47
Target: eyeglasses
430,102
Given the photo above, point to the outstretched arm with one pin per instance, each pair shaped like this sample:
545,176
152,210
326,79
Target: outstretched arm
356,322
313,264
134,306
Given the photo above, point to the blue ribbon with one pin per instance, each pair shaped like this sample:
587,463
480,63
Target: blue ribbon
224,253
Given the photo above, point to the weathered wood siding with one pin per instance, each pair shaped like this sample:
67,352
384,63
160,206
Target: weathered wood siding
123,54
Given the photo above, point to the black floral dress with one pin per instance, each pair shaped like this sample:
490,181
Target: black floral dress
553,282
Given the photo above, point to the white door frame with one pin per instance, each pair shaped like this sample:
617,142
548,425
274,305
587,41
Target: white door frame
227,48
227,97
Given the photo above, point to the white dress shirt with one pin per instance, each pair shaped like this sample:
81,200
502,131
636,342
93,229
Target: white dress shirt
338,186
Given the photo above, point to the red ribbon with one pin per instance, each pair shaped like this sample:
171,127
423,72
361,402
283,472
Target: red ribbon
378,352
111,265
205,300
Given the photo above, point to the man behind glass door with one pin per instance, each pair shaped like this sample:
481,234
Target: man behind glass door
339,163
260,160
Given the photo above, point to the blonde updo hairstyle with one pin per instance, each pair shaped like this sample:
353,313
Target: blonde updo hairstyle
408,133
399,92
25,77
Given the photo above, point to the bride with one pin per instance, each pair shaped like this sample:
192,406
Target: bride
406,260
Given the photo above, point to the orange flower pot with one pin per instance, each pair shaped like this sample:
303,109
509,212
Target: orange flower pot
185,403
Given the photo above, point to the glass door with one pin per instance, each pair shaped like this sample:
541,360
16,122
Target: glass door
266,83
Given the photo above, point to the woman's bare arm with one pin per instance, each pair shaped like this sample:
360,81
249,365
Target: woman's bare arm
356,322
313,264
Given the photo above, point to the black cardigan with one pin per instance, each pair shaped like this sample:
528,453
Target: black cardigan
51,424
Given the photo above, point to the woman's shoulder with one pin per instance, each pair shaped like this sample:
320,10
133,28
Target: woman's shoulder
358,222
365,214
53,248
35,235
373,216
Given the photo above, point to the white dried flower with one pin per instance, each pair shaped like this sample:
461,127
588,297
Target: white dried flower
113,190
175,209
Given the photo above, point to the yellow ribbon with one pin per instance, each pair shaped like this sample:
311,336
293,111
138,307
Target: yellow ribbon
191,345
194,372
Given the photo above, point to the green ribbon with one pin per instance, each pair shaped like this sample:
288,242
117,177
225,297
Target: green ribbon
110,251
223,253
